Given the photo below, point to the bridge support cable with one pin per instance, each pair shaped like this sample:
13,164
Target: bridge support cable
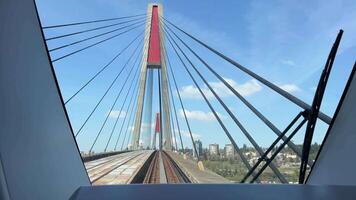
243,158
264,157
181,104
237,122
315,108
128,107
91,29
176,118
142,92
117,119
113,105
103,68
132,115
274,87
90,22
115,101
247,103
121,128
147,107
129,137
95,36
160,110
173,132
167,61
279,149
92,45
128,141
107,90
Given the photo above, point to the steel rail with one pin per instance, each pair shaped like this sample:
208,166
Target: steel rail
152,175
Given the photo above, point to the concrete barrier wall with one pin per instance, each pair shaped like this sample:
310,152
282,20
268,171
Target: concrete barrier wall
39,156
88,158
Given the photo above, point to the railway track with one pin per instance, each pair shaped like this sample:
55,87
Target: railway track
152,175
163,169
158,167
173,172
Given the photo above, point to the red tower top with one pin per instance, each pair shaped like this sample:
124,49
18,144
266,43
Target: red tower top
154,48
157,128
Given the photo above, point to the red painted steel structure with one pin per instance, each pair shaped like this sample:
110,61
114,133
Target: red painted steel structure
154,49
157,128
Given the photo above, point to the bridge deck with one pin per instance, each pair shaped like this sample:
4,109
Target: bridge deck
117,169
190,168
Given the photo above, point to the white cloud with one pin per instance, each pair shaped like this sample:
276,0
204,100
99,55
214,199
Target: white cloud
190,91
199,115
246,89
290,88
288,62
116,113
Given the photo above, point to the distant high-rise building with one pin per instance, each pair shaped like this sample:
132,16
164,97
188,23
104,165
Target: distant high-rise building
213,149
229,151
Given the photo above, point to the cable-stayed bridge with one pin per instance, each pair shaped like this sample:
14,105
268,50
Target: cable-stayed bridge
40,155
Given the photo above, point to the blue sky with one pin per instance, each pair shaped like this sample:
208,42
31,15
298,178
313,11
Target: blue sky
286,42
